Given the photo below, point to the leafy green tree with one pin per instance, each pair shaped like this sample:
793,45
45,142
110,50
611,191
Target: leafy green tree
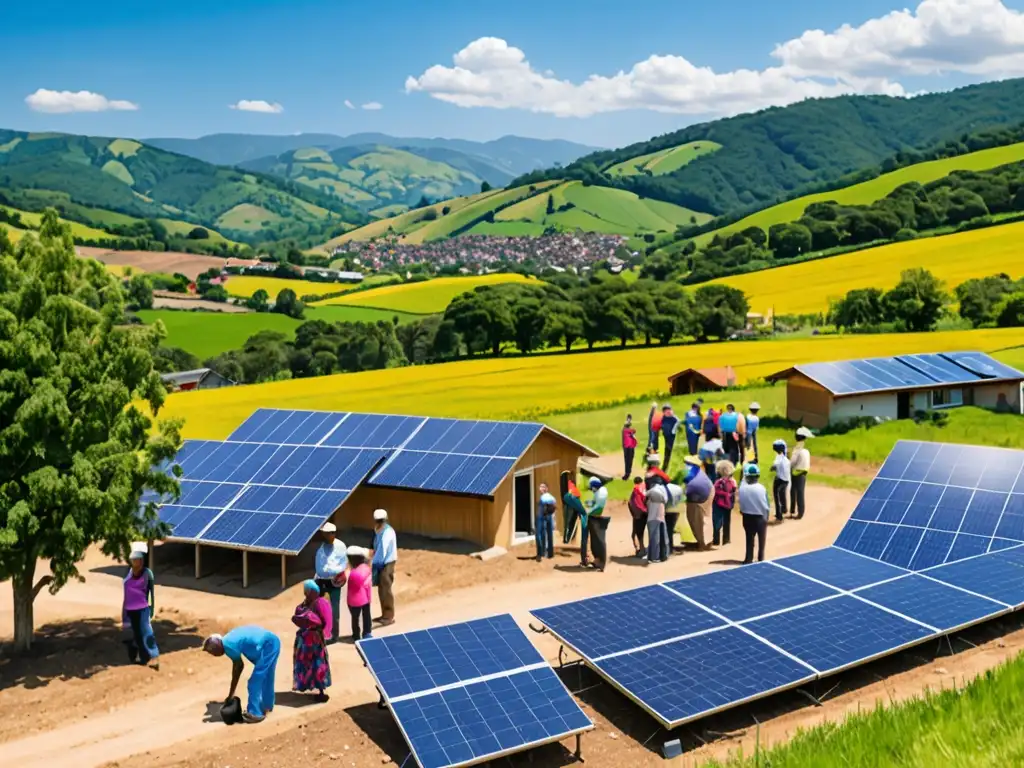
287,303
862,306
76,450
140,291
198,233
485,186
1011,311
563,324
979,298
259,301
719,310
788,241
215,293
170,359
917,300
551,205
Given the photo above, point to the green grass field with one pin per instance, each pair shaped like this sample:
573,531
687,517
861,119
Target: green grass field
247,217
207,334
35,219
182,228
663,161
869,191
969,726
426,298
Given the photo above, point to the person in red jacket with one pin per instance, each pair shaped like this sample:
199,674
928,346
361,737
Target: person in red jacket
653,428
628,445
638,509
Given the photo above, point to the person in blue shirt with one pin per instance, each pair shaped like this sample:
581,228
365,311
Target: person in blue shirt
669,427
383,561
546,508
693,420
262,648
753,422
728,425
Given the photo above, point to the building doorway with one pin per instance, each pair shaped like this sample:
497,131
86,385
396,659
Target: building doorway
902,405
522,505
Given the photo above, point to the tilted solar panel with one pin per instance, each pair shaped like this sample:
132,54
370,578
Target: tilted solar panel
471,692
983,365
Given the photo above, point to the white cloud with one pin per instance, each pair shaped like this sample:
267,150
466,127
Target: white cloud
349,104
373,105
979,37
57,102
266,107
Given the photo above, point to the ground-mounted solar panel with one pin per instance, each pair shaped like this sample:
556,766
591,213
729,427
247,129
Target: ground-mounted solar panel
934,503
921,598
467,693
997,575
840,569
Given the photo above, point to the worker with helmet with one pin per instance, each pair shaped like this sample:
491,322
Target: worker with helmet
597,523
754,509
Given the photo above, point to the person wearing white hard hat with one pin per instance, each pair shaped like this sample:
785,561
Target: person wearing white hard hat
781,468
331,569
383,558
753,422
800,465
360,591
754,509
137,611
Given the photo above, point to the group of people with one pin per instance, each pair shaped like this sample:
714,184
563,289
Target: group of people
337,567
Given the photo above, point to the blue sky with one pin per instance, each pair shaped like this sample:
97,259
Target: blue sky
175,68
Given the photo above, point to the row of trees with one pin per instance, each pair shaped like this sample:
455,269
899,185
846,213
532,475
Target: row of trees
490,320
963,199
919,300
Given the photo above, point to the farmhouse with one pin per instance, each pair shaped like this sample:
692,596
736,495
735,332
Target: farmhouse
819,394
201,378
277,478
693,380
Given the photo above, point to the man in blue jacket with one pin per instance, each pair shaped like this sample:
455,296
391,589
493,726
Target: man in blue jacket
693,421
669,427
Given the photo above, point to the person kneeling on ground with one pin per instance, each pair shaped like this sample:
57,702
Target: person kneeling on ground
754,508
262,648
311,669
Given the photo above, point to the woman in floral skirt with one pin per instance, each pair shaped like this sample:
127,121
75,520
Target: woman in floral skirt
312,668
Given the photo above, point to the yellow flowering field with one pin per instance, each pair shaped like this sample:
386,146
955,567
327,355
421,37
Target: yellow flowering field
521,387
245,286
426,298
808,286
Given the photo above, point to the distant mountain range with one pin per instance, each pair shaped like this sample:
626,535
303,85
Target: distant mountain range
512,155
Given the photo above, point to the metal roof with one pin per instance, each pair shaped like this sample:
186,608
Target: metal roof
903,372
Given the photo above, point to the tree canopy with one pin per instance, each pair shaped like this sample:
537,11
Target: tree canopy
76,449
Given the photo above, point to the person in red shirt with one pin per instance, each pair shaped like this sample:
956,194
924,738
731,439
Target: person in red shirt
638,509
628,445
653,428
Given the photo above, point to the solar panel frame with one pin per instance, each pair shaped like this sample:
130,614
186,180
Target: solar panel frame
537,668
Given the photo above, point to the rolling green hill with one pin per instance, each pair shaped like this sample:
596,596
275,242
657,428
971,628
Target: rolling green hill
769,155
380,177
663,161
104,182
524,211
868,192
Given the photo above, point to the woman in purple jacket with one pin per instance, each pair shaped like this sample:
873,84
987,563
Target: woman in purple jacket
137,612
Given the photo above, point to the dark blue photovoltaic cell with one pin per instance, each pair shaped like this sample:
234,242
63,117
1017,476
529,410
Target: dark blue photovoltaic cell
935,604
932,550
939,368
683,680
424,660
190,525
489,718
729,592
965,545
1002,468
837,633
850,535
997,575
840,569
874,540
983,365
1011,524
902,546
896,462
607,624
367,430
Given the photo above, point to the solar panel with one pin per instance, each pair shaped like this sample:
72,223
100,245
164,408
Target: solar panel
997,575
832,635
934,503
466,693
696,676
839,568
261,496
932,602
587,625
983,365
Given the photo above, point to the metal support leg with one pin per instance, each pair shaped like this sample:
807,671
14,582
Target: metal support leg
579,748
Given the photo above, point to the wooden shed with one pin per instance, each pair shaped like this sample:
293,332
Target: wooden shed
503,520
693,380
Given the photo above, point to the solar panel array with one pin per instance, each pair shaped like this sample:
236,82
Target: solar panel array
902,572
274,481
465,693
849,377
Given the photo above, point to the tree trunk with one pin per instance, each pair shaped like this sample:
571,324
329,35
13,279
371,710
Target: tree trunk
24,597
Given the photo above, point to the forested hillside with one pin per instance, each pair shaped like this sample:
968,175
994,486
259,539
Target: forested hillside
83,175
770,155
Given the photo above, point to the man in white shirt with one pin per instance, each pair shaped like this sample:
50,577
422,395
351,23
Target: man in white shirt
382,561
331,564
782,477
800,465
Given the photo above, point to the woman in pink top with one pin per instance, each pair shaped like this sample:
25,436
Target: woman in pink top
311,668
137,612
360,591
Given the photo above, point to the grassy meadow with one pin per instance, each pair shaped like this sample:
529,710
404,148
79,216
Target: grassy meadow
244,286
807,287
663,161
31,219
969,726
208,334
426,298
869,191
531,387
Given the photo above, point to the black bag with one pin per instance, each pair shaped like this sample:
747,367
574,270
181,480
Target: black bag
231,713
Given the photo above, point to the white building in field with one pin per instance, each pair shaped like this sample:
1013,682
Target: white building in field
819,394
